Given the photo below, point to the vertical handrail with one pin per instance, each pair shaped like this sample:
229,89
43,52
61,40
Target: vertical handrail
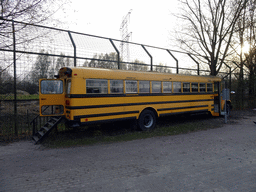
34,126
35,122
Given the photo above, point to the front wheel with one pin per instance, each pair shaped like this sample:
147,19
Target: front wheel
147,120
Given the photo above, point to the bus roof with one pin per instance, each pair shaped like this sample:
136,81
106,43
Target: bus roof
100,73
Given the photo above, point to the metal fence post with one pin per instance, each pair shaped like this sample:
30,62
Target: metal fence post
177,62
118,54
151,58
229,74
74,45
198,68
14,80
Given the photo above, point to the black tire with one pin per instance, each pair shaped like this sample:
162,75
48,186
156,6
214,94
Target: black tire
147,120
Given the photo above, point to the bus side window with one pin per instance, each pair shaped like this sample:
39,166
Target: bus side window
167,87
156,87
202,88
194,87
97,86
177,87
209,87
116,86
131,87
144,86
186,87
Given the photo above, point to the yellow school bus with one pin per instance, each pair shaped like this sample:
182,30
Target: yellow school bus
92,95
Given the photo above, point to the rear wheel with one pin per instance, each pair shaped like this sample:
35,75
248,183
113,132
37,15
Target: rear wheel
147,120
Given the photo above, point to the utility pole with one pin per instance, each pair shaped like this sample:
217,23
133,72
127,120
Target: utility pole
125,36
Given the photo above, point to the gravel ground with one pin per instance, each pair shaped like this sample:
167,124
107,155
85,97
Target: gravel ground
214,160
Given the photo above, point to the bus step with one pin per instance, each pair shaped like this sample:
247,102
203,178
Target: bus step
50,123
54,119
35,138
46,129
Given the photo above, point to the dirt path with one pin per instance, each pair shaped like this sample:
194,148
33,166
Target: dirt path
221,159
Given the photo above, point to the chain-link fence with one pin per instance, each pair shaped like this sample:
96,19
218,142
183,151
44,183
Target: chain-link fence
30,52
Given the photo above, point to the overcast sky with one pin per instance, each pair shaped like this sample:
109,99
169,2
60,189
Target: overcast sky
150,21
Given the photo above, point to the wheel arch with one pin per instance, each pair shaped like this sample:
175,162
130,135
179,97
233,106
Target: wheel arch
151,109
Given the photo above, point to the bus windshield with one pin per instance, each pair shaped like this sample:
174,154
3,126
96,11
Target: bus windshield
51,87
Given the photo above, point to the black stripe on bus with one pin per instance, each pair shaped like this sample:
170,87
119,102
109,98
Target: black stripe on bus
134,104
132,94
106,114
177,108
184,112
105,121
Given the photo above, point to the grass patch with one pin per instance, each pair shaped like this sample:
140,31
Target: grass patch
122,132
19,97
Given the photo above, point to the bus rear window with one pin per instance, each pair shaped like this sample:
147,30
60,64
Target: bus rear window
51,87
96,86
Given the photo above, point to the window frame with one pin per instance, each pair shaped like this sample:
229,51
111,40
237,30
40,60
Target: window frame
192,88
102,87
200,87
148,83
174,84
211,91
135,87
185,88
49,83
111,86
154,83
168,83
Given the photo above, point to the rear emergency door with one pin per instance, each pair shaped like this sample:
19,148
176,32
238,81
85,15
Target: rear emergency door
51,97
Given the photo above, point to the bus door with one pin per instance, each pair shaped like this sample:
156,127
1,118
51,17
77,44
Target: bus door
51,97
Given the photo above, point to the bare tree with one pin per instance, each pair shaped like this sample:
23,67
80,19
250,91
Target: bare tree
29,11
210,25
251,57
244,46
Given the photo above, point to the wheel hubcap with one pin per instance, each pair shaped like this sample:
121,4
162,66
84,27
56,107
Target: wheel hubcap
148,121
